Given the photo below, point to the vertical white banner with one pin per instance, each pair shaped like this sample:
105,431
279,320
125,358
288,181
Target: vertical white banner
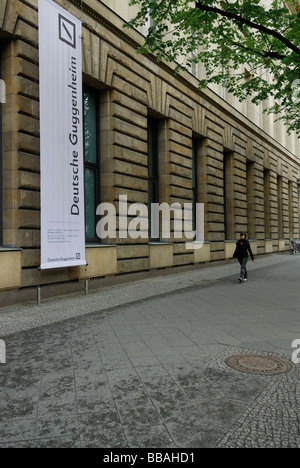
61,136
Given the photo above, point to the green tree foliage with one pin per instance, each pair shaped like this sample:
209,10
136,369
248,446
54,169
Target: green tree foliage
229,38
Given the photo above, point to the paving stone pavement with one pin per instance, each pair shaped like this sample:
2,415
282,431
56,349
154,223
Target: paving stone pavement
143,364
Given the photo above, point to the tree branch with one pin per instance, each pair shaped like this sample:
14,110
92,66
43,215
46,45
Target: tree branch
259,27
264,54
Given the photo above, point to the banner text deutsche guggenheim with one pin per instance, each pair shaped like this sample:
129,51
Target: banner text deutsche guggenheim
61,134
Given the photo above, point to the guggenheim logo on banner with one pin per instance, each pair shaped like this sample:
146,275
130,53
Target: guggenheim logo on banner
62,175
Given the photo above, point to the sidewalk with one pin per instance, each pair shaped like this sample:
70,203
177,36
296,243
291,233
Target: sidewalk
143,364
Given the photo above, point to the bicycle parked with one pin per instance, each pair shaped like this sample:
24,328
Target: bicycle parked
295,246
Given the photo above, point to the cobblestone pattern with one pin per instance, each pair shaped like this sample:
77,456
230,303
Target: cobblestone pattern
272,420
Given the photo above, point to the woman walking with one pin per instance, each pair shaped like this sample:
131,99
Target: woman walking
241,253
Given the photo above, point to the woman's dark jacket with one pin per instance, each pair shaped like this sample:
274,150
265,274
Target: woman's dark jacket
242,249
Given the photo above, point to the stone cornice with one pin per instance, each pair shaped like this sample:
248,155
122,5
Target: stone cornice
101,19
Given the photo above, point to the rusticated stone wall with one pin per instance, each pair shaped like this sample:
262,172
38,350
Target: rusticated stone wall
234,155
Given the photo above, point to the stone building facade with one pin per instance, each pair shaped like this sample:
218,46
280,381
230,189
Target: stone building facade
205,150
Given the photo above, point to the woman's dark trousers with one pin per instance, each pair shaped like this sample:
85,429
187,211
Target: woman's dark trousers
243,263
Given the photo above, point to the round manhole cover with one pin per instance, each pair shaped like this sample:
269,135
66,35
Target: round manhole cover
258,364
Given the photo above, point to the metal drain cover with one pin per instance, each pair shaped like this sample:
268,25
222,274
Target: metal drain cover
258,364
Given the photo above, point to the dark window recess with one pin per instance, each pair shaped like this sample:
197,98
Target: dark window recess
195,182
1,172
91,162
153,176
